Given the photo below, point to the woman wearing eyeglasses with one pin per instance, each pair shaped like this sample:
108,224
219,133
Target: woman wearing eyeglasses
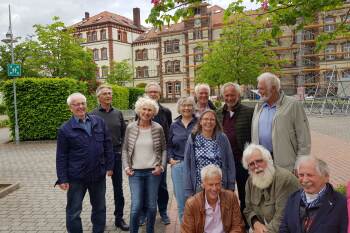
207,145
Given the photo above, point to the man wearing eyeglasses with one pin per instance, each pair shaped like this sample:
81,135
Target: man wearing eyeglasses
316,207
115,123
267,190
84,156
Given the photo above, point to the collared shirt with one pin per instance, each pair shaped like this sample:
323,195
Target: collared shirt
85,124
213,221
265,125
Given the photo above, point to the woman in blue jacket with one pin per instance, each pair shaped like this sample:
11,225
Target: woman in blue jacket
207,145
178,135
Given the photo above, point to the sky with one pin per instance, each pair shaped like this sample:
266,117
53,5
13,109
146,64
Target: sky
26,13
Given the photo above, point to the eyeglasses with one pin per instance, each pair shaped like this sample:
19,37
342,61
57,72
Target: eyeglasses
78,104
255,163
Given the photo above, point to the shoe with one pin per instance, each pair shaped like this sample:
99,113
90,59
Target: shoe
122,225
165,219
142,221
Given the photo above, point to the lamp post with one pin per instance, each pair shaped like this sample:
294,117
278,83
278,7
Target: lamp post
9,40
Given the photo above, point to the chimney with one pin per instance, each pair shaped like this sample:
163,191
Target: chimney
87,15
136,14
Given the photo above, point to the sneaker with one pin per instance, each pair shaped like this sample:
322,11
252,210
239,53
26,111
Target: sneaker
165,219
142,221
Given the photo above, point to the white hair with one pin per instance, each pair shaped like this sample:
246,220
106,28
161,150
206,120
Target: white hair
146,102
320,165
150,84
101,87
210,171
185,100
271,80
71,97
235,85
199,86
248,151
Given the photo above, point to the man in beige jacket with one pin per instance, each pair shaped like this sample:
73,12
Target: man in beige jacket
280,123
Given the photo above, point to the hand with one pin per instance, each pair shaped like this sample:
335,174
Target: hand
157,171
129,171
64,186
110,173
259,227
172,162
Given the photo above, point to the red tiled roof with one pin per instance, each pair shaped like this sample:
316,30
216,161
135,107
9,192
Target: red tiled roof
108,17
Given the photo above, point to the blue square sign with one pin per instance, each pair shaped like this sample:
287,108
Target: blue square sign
13,70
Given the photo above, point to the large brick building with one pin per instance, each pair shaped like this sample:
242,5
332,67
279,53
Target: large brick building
170,55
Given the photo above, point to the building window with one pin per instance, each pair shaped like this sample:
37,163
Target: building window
197,11
178,89
94,36
346,50
138,54
103,34
169,88
157,53
345,18
138,72
176,46
176,66
346,74
95,52
197,34
104,54
198,54
329,24
97,73
172,46
124,37
330,75
145,54
168,67
158,70
119,35
104,70
88,36
145,72
330,52
308,35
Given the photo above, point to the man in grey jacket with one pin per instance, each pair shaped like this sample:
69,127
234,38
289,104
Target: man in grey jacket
280,123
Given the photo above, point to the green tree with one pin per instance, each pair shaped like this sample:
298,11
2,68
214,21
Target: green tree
120,73
240,54
54,52
22,56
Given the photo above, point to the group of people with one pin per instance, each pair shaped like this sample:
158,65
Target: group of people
263,152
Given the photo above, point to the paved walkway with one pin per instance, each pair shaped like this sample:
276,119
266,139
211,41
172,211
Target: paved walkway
38,207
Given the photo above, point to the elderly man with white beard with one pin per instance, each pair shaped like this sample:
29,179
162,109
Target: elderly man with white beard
267,190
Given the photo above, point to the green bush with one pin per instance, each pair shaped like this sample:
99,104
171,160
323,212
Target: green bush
134,93
342,189
2,109
120,97
41,105
4,123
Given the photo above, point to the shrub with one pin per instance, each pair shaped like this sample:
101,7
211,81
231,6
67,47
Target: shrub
134,93
41,105
4,123
342,189
2,109
120,97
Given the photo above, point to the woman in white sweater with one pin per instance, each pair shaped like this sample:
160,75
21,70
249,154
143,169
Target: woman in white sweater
144,159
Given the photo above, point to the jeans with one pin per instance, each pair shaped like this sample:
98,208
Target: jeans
117,180
177,177
144,190
75,197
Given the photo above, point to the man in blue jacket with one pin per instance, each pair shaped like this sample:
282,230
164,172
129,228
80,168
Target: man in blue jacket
84,155
317,207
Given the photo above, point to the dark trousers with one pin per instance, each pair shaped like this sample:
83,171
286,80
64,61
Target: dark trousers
117,180
241,178
163,197
75,197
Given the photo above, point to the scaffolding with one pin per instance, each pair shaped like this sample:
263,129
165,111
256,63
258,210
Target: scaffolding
332,97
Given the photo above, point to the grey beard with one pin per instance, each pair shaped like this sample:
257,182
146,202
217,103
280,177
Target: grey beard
264,180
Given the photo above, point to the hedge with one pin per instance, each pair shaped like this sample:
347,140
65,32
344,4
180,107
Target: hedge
120,97
41,105
134,94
